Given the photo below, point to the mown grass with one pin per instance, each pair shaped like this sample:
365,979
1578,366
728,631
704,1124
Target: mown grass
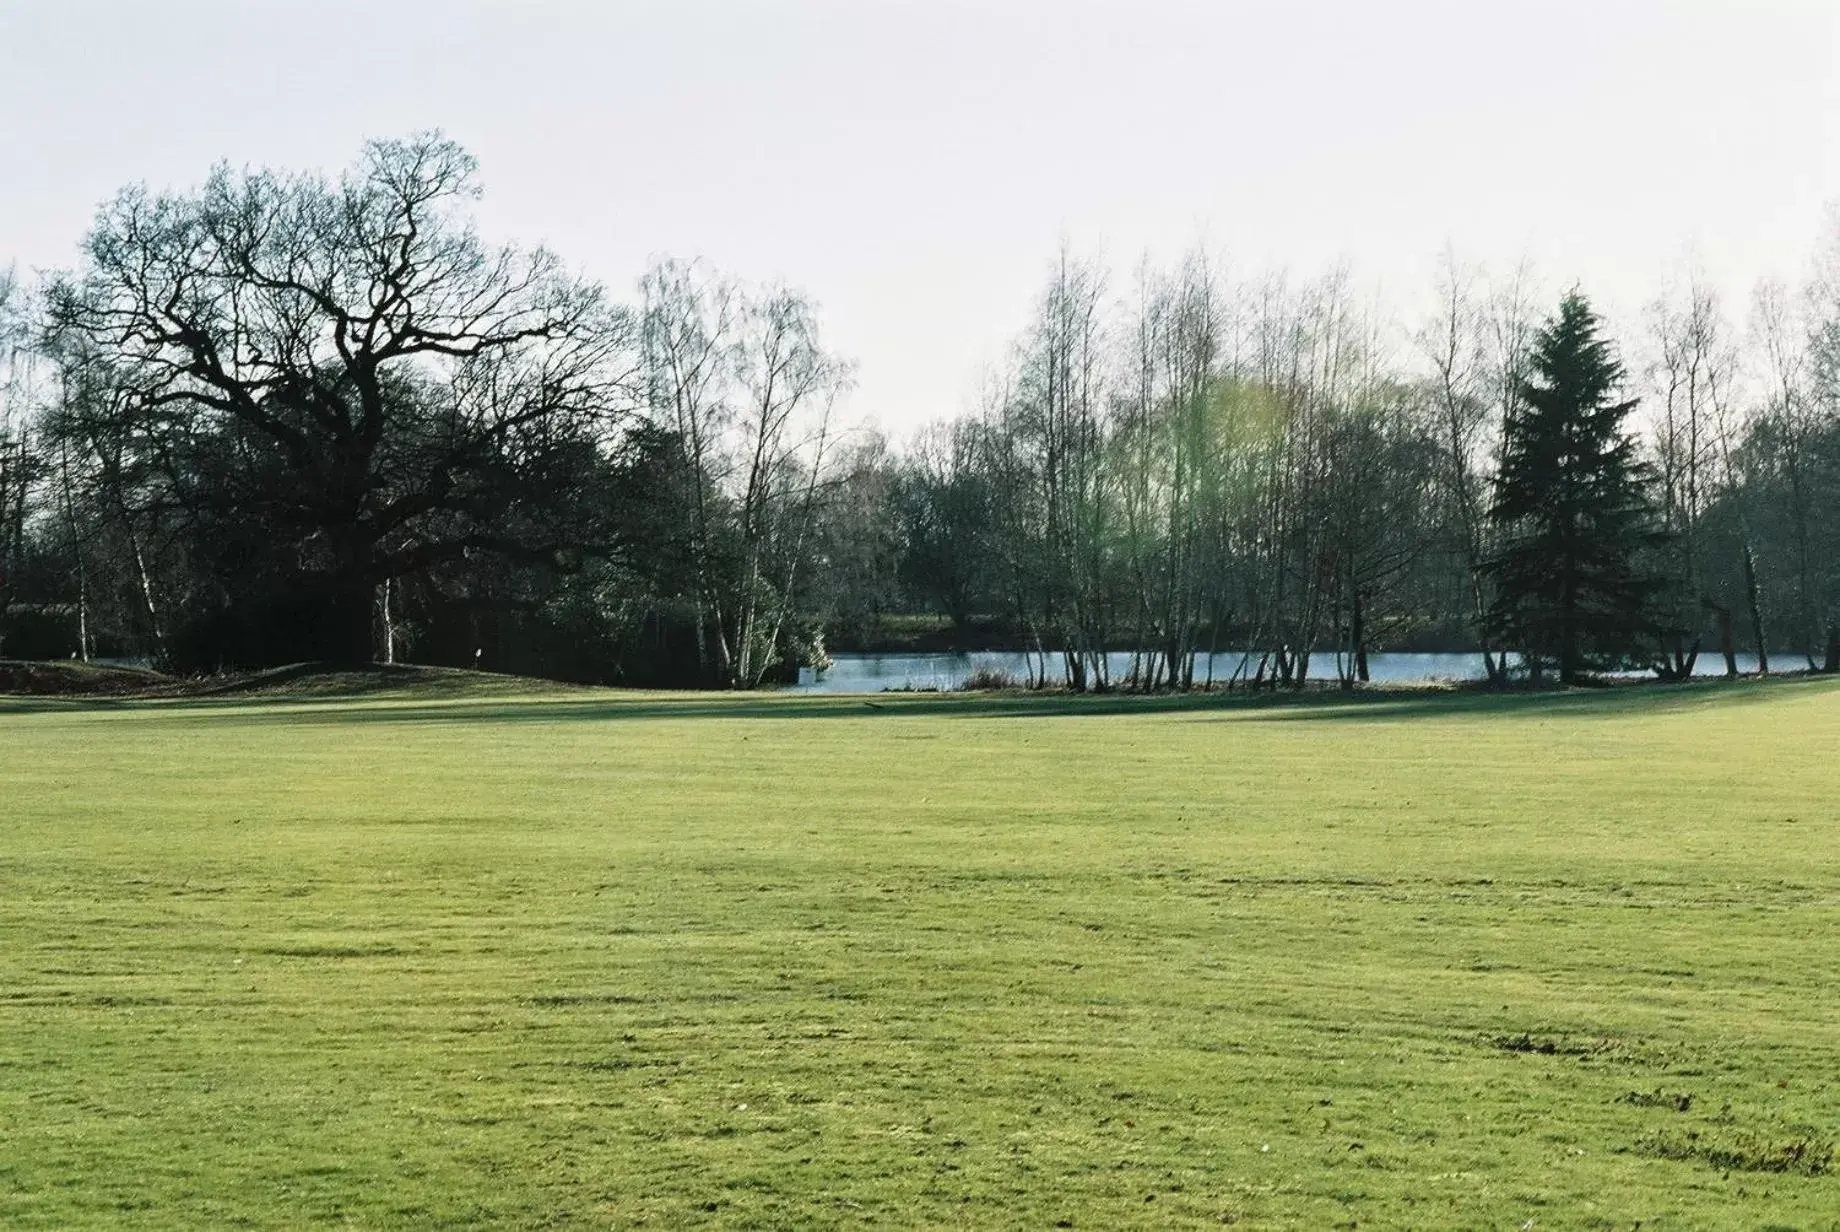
596,959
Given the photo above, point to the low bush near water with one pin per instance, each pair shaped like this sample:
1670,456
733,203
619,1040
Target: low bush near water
989,679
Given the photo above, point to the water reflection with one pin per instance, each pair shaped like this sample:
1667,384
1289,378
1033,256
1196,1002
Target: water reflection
874,673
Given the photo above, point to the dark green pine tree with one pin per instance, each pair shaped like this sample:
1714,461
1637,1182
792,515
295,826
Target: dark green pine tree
1573,519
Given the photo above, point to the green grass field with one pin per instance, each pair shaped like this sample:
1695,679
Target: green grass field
579,959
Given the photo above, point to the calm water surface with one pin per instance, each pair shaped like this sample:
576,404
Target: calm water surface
873,673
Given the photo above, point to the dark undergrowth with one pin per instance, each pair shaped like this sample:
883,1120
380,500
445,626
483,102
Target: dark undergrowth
1801,1155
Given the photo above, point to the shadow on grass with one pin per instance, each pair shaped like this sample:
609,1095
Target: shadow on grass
455,705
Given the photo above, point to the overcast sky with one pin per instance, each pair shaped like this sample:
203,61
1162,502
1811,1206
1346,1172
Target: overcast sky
915,166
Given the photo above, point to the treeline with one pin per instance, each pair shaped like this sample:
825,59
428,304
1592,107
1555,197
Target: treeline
1197,466
282,418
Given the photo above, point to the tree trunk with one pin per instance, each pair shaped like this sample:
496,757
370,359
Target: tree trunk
82,614
76,549
1727,644
389,625
1360,640
1756,611
153,609
342,630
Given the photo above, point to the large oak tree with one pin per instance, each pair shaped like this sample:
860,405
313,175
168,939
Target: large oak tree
340,382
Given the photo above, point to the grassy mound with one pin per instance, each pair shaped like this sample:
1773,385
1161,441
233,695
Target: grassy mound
74,679
323,680
296,680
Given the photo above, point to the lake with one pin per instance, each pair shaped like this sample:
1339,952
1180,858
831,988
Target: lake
874,673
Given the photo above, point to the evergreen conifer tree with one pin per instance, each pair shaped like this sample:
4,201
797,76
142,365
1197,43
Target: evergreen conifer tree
1571,510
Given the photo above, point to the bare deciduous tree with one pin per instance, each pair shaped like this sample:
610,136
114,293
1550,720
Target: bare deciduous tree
364,377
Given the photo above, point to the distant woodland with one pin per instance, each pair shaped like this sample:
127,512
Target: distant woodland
283,417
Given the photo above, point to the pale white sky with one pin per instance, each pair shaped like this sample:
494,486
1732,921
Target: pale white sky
916,163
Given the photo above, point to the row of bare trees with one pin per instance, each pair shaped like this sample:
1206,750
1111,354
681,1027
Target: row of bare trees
1189,465
1196,465
744,384
1746,446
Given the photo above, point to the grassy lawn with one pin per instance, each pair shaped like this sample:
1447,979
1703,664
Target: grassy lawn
602,959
